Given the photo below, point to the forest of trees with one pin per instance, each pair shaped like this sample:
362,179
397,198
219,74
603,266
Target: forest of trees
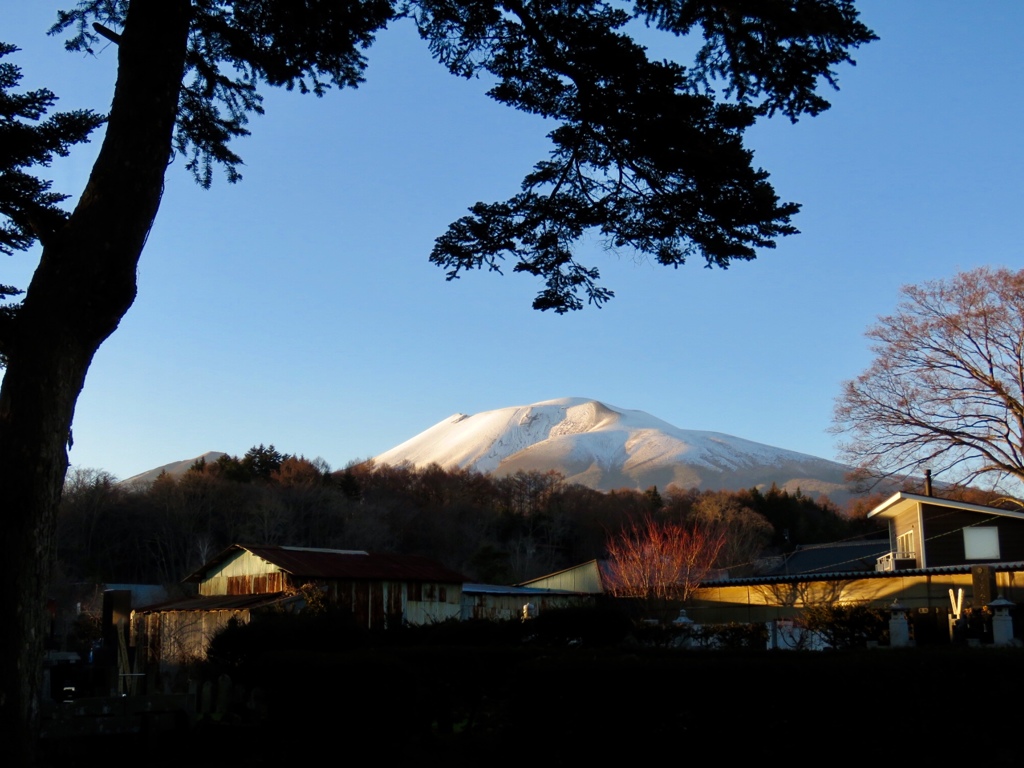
496,530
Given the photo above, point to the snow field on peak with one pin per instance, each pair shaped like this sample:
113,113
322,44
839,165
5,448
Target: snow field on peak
579,433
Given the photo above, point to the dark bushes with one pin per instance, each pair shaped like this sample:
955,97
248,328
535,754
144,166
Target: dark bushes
847,626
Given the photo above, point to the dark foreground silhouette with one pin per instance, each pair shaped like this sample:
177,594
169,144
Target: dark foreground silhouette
552,705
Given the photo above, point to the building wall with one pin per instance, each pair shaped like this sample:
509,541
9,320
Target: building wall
908,521
243,574
376,603
498,607
944,532
424,612
373,603
766,602
176,637
179,637
583,578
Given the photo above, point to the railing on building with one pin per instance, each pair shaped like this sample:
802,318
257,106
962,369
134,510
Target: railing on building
896,561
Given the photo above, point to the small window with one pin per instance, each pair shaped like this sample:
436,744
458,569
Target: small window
981,543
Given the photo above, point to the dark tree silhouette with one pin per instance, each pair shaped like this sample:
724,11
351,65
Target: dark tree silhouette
28,208
643,153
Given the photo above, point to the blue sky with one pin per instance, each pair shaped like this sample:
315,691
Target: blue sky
298,307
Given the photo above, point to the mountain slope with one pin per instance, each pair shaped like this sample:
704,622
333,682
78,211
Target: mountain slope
174,469
606,447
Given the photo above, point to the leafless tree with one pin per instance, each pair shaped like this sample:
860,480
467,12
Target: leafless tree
661,562
945,389
746,533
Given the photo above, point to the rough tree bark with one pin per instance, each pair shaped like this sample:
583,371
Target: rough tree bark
85,282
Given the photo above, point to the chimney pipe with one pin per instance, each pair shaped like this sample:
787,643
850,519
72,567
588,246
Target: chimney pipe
927,482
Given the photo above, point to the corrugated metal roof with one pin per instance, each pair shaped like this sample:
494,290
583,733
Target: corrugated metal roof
497,589
851,575
341,564
215,603
142,593
845,557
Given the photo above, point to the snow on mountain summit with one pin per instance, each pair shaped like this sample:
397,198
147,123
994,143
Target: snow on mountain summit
606,447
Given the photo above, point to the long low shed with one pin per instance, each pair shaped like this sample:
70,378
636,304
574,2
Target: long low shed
921,591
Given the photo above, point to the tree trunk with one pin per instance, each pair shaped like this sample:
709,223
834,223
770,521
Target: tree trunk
82,288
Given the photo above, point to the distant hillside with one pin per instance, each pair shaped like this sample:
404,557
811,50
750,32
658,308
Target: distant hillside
605,447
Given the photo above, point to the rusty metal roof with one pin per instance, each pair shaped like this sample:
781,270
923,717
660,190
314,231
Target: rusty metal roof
305,562
215,603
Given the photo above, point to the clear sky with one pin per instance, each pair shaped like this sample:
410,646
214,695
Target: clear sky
298,307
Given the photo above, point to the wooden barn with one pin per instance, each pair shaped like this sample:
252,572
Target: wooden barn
379,589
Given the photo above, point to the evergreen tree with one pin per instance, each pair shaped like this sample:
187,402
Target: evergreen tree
262,462
29,210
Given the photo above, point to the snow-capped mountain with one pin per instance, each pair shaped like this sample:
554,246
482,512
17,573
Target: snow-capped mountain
605,447
175,469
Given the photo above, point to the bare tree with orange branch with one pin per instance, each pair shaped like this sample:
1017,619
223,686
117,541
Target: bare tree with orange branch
661,563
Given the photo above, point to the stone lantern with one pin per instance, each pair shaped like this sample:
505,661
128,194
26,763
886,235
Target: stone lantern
1002,623
899,627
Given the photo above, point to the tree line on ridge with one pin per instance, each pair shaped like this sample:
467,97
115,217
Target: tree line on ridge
492,529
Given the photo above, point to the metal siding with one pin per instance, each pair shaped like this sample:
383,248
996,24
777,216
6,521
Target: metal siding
250,584
420,612
361,602
376,605
582,578
499,607
177,637
151,629
247,564
396,599
239,574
